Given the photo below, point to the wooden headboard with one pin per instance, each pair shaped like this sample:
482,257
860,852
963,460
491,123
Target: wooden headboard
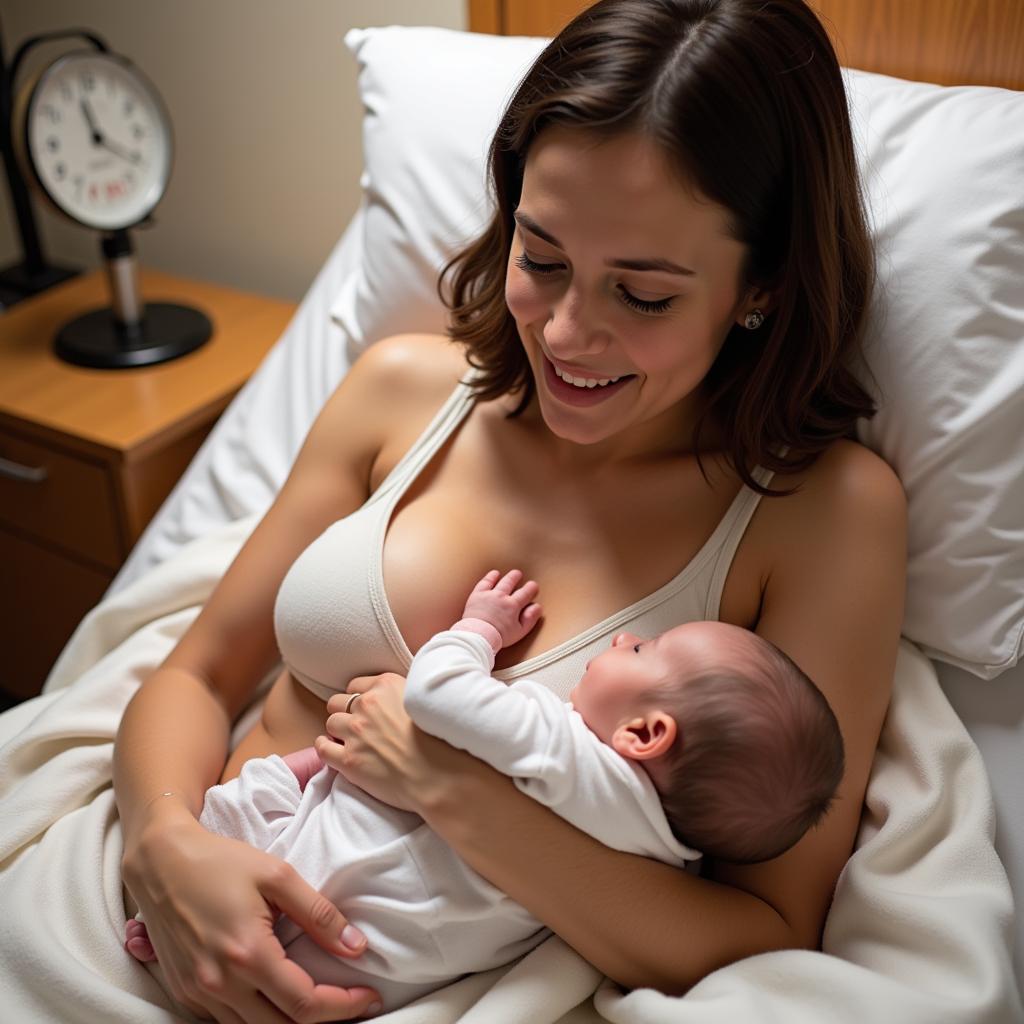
952,42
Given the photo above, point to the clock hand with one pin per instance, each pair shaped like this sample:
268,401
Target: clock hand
99,139
120,151
97,135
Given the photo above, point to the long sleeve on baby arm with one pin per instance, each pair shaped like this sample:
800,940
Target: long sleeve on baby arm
450,693
524,731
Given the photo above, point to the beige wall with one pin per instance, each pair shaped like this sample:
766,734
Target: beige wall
266,115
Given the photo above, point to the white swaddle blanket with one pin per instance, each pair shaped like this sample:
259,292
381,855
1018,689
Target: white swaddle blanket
918,932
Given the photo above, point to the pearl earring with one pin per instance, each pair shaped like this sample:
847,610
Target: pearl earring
753,320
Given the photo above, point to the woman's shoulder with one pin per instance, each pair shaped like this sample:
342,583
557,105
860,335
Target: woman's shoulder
411,366
847,501
851,480
397,378
848,498
397,386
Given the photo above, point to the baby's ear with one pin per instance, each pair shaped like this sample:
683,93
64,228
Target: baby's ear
645,736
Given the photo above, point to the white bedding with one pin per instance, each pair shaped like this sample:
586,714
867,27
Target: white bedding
922,922
246,459
918,932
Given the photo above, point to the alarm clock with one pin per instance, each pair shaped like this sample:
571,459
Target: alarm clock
96,138
94,135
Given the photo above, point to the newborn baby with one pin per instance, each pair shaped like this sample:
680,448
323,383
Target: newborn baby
705,738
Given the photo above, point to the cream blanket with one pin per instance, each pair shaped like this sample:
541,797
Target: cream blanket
919,930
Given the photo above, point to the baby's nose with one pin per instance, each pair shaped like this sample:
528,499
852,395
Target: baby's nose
624,638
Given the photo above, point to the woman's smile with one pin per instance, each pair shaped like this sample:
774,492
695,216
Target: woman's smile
585,394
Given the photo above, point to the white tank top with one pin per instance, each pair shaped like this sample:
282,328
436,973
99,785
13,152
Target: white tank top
333,620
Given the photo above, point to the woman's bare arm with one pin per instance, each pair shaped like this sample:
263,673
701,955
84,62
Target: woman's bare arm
174,735
834,602
644,924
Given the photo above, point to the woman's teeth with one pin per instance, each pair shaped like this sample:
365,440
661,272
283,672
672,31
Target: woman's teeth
584,382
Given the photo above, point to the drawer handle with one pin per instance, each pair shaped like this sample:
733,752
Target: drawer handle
26,474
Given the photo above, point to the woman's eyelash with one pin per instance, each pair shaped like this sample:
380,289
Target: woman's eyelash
523,262
641,305
645,307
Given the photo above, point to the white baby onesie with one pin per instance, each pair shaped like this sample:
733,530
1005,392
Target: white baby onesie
428,917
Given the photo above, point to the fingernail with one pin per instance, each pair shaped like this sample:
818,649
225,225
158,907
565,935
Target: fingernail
373,1009
352,938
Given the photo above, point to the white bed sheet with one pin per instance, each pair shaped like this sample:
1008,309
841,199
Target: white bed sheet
245,460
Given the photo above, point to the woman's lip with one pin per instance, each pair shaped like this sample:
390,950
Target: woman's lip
570,394
582,374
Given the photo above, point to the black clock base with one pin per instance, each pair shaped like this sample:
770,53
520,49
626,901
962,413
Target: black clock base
165,332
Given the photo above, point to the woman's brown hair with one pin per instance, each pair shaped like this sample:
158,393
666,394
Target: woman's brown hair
747,100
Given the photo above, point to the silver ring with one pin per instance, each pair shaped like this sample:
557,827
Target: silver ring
351,701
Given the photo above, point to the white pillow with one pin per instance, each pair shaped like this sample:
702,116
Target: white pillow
944,170
433,98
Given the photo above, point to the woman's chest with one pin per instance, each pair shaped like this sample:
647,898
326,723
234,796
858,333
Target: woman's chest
595,546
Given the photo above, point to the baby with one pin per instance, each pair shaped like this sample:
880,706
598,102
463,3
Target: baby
705,738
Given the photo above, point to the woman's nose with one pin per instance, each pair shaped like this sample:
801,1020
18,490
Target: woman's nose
572,328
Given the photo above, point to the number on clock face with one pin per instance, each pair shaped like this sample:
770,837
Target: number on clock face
99,140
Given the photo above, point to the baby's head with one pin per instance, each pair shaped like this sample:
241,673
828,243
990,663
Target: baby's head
742,747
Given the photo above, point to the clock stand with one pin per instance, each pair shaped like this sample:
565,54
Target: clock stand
130,332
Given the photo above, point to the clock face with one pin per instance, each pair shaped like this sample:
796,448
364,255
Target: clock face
98,140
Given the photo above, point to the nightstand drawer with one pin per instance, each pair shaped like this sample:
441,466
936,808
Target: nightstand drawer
59,498
42,601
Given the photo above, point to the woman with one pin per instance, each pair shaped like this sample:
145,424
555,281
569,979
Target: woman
663,312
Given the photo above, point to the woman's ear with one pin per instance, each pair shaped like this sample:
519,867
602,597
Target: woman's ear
755,298
645,736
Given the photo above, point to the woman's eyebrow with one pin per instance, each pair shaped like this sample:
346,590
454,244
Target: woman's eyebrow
664,266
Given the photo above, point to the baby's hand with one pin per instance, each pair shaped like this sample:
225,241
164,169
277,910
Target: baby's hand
499,601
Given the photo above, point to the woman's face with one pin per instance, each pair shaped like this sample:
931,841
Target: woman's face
618,271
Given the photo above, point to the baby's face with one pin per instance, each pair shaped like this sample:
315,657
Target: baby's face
620,681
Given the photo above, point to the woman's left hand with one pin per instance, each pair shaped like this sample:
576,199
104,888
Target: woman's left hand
376,746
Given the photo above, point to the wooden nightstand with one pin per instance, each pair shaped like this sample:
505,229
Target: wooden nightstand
89,455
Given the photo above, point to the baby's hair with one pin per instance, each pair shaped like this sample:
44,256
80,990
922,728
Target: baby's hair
758,759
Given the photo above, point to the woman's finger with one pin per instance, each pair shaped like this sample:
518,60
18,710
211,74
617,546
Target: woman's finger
331,752
363,684
337,724
316,915
288,988
338,701
184,992
286,984
204,1014
224,1015
219,1013
194,991
350,703
230,994
248,1006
